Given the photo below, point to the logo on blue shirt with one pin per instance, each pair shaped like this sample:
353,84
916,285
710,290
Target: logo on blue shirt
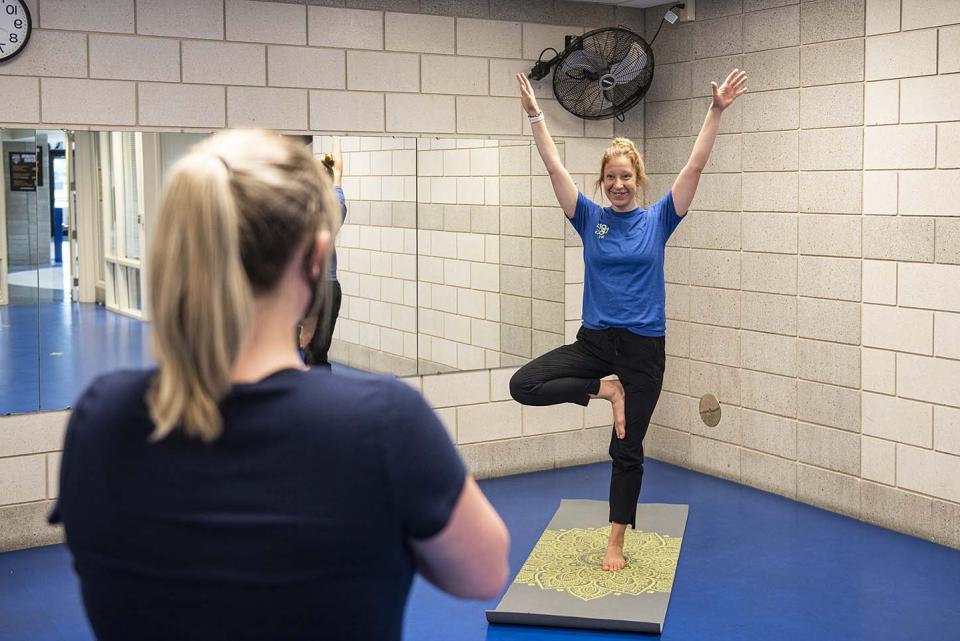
601,230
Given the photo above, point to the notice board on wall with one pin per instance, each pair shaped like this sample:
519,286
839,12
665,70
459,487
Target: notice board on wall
23,171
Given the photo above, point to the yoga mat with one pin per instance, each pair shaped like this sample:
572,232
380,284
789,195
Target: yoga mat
561,584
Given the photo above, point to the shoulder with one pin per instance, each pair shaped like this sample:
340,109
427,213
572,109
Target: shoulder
586,207
584,201
372,397
665,204
121,388
112,401
396,398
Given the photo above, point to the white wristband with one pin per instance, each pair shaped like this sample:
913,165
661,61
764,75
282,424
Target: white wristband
537,118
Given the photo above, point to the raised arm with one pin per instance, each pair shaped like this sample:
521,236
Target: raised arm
337,161
563,185
685,186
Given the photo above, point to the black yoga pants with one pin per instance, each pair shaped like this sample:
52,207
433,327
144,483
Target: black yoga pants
571,373
316,352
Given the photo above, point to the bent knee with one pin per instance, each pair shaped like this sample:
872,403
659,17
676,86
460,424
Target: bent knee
520,387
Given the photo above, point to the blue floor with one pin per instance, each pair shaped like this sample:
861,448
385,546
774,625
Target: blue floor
753,566
49,352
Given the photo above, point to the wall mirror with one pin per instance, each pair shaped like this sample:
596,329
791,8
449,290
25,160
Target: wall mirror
77,213
23,260
451,257
377,255
490,255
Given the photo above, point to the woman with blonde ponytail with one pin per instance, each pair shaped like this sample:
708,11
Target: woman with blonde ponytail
233,492
624,319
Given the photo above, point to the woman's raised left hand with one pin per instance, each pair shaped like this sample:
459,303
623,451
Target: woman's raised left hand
731,89
337,160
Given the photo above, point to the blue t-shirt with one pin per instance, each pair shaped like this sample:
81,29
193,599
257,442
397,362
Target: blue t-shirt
343,217
292,525
623,282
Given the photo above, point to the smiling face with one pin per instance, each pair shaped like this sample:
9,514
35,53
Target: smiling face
620,183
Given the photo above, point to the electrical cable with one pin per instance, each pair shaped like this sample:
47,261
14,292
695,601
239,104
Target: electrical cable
676,6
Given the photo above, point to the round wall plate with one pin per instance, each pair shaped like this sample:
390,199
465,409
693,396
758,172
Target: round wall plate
710,410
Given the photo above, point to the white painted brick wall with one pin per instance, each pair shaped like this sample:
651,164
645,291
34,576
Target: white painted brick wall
904,330
901,55
419,33
344,28
134,58
779,352
253,21
181,18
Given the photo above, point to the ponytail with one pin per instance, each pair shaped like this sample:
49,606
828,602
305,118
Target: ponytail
233,214
200,299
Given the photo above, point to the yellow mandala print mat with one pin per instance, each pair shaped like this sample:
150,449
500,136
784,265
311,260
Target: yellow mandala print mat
561,583
569,560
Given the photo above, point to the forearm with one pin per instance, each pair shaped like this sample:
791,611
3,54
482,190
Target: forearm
705,139
547,148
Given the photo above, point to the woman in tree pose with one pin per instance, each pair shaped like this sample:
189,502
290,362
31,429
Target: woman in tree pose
623,297
316,332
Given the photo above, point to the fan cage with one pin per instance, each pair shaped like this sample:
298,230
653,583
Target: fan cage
613,44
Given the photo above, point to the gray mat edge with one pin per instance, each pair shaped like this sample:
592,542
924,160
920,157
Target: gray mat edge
582,623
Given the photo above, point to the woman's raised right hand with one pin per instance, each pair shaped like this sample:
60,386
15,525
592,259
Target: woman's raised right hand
527,98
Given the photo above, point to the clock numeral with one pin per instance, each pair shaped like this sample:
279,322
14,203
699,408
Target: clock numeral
1,49
18,23
14,38
12,10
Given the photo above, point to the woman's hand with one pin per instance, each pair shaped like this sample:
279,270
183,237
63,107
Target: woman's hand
731,89
527,99
337,160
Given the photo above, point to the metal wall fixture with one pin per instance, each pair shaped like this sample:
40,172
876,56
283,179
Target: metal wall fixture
710,410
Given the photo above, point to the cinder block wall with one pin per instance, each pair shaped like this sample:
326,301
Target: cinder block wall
364,67
491,255
377,255
816,285
459,252
780,300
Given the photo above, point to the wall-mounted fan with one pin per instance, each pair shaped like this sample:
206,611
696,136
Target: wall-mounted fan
604,72
600,74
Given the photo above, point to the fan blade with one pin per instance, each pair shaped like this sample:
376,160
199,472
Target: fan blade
632,65
584,60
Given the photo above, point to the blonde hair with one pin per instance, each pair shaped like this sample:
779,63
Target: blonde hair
234,212
624,147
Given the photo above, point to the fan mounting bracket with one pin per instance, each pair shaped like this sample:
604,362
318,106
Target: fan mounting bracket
689,11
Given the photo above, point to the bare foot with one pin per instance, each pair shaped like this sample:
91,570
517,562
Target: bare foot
613,391
307,328
613,560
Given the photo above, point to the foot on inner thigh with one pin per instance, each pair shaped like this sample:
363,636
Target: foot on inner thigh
613,392
613,560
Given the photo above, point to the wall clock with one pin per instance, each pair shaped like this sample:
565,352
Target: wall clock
15,27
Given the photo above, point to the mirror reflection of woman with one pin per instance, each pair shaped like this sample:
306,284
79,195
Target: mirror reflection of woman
624,320
316,333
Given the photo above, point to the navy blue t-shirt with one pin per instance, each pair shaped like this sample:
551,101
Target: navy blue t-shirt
292,525
623,281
